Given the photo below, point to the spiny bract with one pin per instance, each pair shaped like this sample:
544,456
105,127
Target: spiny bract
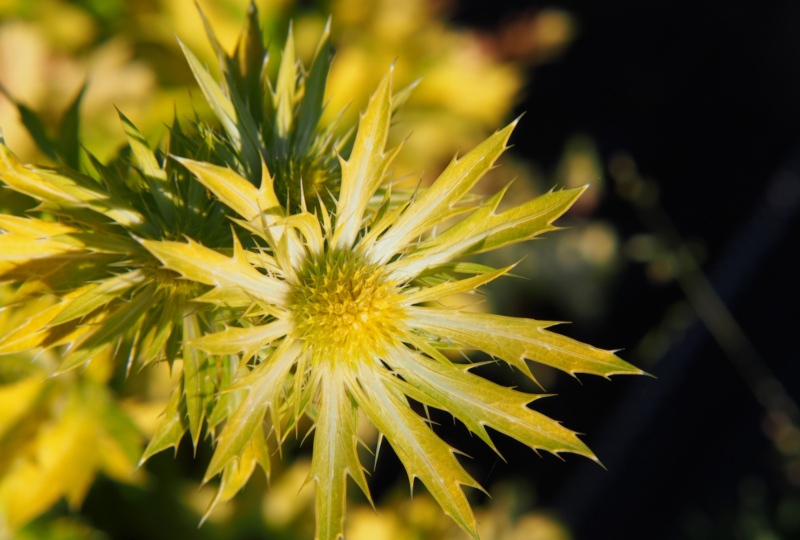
289,281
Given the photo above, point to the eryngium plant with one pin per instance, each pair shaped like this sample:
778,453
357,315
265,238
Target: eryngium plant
277,265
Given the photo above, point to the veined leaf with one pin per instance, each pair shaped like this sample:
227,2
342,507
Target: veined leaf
363,171
514,339
92,296
264,385
171,428
197,383
233,297
447,288
238,193
220,104
432,206
479,403
335,453
241,340
28,326
238,471
199,263
16,250
483,230
423,454
20,179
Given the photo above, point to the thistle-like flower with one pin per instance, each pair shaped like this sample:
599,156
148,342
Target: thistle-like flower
321,297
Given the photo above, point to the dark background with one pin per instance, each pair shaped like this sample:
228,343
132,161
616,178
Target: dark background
705,96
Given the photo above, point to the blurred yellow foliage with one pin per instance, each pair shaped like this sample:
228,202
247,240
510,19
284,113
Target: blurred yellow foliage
131,61
56,434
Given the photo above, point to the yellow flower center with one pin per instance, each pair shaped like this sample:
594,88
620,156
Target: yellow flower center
346,310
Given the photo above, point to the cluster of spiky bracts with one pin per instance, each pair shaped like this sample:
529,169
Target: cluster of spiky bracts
273,261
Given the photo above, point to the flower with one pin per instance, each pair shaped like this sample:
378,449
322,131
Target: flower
341,318
290,282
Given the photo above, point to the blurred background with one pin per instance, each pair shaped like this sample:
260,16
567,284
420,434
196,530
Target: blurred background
682,115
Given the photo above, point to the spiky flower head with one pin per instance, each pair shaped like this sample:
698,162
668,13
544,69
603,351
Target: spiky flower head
320,298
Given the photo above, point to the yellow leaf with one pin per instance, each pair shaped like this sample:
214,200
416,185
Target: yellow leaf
62,463
514,339
364,170
33,227
423,454
236,192
335,453
241,340
199,263
16,400
479,403
432,206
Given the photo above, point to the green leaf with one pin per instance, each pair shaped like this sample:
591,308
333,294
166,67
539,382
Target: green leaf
83,191
285,88
103,242
68,139
154,175
311,106
249,57
215,97
514,339
35,126
109,330
264,387
231,111
94,295
171,428
152,344
226,400
197,383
